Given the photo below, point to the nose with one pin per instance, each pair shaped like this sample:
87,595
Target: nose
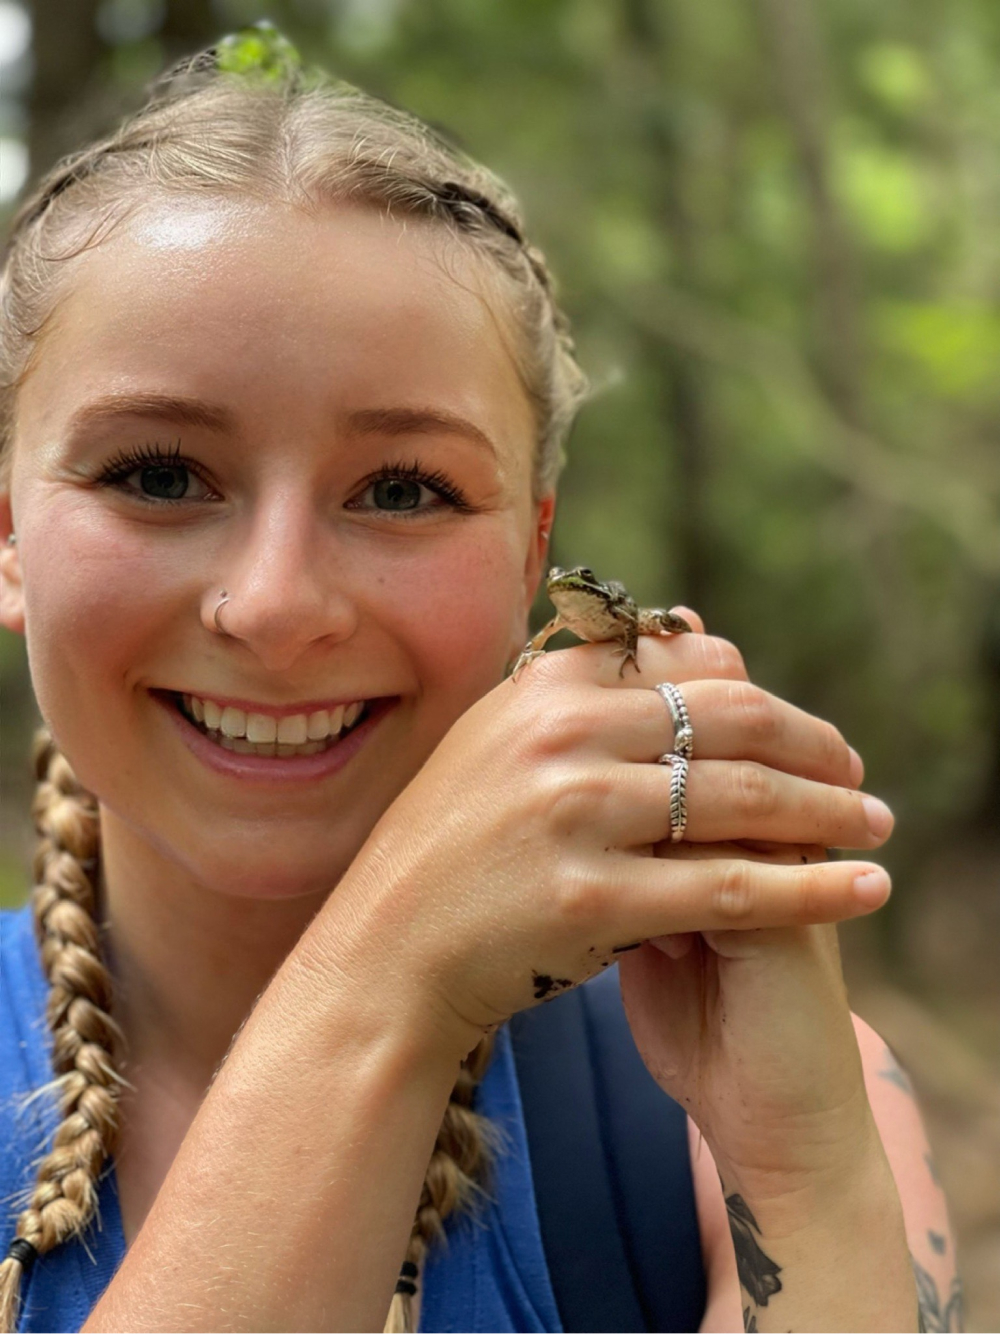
283,593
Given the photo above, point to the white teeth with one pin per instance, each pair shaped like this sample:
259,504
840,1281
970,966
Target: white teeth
292,731
233,722
264,734
318,725
261,728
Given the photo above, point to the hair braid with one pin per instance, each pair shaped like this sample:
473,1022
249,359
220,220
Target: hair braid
86,1041
87,1047
454,1177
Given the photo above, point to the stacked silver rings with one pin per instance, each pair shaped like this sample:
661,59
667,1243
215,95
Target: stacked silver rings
679,758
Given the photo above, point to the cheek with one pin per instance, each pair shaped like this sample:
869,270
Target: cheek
95,603
457,608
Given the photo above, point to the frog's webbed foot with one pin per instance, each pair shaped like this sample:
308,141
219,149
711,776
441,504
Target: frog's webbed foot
656,621
628,654
534,648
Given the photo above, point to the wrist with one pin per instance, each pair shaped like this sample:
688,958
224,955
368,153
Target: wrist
347,961
835,1188
829,1253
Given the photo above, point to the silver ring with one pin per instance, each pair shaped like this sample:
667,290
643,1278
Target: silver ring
678,795
683,731
222,602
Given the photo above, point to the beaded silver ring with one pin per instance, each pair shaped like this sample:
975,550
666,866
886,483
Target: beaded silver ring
683,731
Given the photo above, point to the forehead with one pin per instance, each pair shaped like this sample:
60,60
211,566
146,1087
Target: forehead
338,308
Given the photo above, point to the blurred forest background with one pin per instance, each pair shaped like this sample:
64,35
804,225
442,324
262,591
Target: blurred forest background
777,228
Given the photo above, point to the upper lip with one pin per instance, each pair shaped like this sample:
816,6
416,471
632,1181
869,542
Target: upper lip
272,710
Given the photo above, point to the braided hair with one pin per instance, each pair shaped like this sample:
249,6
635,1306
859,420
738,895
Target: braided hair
209,128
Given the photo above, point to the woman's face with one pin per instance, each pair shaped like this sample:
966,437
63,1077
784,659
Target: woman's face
245,397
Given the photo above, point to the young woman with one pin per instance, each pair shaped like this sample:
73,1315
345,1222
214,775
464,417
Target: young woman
285,393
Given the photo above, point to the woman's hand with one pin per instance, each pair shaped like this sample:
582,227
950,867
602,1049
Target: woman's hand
519,860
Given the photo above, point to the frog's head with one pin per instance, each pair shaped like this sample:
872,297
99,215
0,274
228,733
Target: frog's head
578,579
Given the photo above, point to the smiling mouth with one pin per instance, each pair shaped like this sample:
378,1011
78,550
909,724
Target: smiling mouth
231,729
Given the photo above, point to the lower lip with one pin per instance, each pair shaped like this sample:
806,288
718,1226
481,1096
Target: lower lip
269,769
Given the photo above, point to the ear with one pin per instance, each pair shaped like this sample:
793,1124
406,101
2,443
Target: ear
535,565
11,587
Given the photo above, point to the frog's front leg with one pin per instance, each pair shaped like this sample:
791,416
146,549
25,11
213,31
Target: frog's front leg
627,647
534,648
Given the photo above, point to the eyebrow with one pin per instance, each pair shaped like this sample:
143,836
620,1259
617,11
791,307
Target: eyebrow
418,421
209,416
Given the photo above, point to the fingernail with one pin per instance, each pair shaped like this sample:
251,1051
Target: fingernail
857,767
872,888
879,817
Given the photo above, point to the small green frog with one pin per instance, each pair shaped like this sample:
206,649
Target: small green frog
598,611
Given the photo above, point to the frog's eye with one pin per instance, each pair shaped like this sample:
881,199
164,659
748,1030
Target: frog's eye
585,573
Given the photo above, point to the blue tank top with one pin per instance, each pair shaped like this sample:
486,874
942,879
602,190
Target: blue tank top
491,1274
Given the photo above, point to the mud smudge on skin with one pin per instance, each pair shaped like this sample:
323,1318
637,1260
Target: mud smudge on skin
545,985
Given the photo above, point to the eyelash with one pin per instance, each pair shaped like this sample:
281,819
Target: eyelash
154,455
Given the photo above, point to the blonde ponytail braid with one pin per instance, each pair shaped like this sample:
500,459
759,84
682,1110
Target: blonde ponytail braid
454,1175
86,1041
87,1047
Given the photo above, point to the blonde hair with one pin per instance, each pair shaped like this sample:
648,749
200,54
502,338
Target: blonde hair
310,142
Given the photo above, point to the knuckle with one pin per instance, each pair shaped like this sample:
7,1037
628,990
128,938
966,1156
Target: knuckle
724,659
573,797
736,892
833,748
558,726
754,711
812,899
753,793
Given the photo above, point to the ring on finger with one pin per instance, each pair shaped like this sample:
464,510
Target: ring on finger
683,731
678,795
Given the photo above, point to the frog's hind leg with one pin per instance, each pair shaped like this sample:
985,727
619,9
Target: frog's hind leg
535,646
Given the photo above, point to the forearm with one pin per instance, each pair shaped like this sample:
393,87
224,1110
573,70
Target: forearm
290,1203
826,1255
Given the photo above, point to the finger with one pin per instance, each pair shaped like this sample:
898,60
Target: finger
736,720
746,800
649,897
667,657
731,720
727,801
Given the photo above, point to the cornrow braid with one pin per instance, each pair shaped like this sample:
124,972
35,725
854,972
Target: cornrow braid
86,1041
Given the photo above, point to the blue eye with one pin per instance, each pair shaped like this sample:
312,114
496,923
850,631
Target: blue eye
397,493
155,474
409,489
164,483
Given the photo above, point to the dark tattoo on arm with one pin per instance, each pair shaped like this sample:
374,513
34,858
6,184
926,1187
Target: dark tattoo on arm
934,1316
758,1274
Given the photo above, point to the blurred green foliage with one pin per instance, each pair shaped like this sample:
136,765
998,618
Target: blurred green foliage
776,228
